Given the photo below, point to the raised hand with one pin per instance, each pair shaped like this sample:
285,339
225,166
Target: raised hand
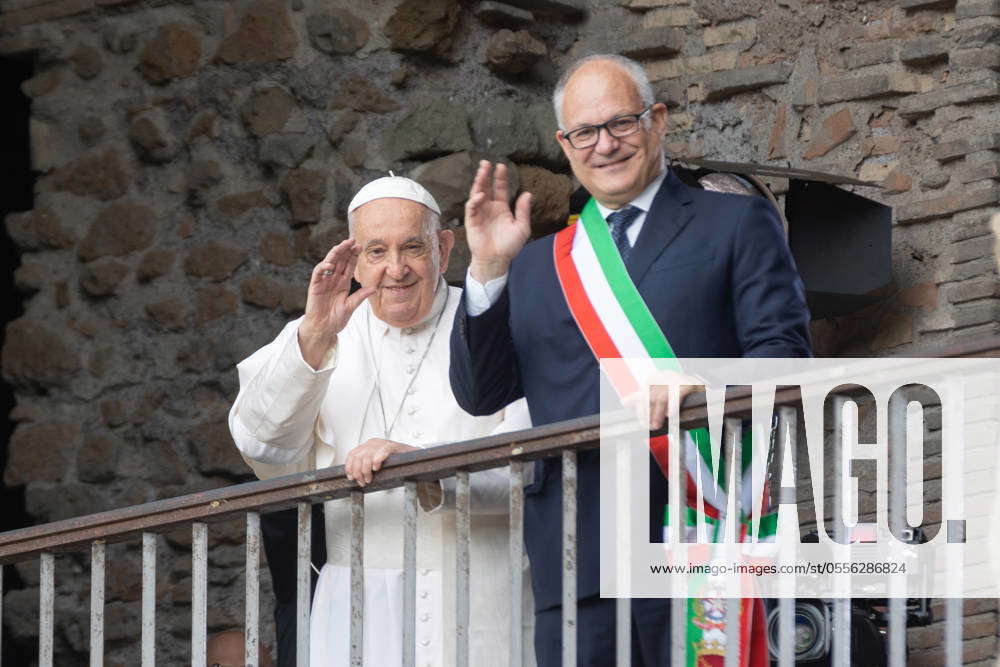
329,303
495,234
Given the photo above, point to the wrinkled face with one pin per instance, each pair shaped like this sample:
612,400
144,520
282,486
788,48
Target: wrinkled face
615,170
399,258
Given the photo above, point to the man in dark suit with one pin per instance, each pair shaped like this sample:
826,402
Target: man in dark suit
713,269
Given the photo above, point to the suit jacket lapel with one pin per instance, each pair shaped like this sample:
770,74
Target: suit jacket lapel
669,214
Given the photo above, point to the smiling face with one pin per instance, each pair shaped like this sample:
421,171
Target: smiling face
615,170
401,256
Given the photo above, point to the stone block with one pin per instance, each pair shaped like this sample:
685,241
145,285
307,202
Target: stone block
980,90
720,85
676,67
360,94
969,226
970,249
926,4
835,130
923,50
305,191
285,150
214,260
86,61
971,9
118,230
31,276
261,291
97,459
985,57
941,207
675,17
152,139
863,55
653,42
102,277
37,229
730,33
449,178
923,296
565,10
434,127
776,141
972,290
550,197
973,269
501,128
969,315
49,11
986,34
897,181
424,27
935,180
337,31
894,330
99,176
214,450
871,86
265,34
275,249
267,110
950,150
173,53
214,302
670,92
35,355
880,145
153,264
501,15
978,171
510,53
340,125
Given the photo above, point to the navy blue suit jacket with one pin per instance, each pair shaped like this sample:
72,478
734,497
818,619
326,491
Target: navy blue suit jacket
717,275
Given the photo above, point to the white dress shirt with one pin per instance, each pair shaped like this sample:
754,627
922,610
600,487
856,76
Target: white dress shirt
479,297
289,417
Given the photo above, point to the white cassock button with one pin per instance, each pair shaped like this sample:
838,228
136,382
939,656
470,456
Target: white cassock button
411,390
425,642
412,410
425,617
423,594
424,572
410,349
410,369
416,434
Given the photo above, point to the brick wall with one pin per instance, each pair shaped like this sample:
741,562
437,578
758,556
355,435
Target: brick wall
194,160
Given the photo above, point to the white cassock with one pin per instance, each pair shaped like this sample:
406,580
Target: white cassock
290,418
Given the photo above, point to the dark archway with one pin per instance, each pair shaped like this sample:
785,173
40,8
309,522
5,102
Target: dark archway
16,194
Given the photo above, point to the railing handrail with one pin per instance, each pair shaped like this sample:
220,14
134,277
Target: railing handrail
330,483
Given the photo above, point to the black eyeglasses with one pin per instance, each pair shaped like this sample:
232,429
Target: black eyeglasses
617,127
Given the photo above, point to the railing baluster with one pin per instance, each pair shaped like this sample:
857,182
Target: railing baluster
252,597
357,578
148,599
97,549
410,574
46,609
569,558
787,441
841,605
897,516
734,437
303,584
199,593
463,524
516,539
953,631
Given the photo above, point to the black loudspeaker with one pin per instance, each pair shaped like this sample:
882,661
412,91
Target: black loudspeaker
841,241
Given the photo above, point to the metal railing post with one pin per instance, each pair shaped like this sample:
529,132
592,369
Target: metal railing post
46,609
516,546
199,593
97,571
462,539
410,574
148,599
569,483
303,583
357,578
251,635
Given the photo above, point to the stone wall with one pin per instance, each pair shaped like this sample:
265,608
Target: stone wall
194,160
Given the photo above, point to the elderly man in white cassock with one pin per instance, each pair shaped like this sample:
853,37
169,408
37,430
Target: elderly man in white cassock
362,376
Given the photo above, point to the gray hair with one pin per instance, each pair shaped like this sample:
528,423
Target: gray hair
633,69
430,229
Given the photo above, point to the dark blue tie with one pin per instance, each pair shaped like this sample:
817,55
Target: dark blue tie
619,222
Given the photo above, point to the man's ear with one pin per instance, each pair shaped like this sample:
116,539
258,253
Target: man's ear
563,143
659,117
446,240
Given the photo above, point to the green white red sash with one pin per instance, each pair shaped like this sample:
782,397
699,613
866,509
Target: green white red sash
617,324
